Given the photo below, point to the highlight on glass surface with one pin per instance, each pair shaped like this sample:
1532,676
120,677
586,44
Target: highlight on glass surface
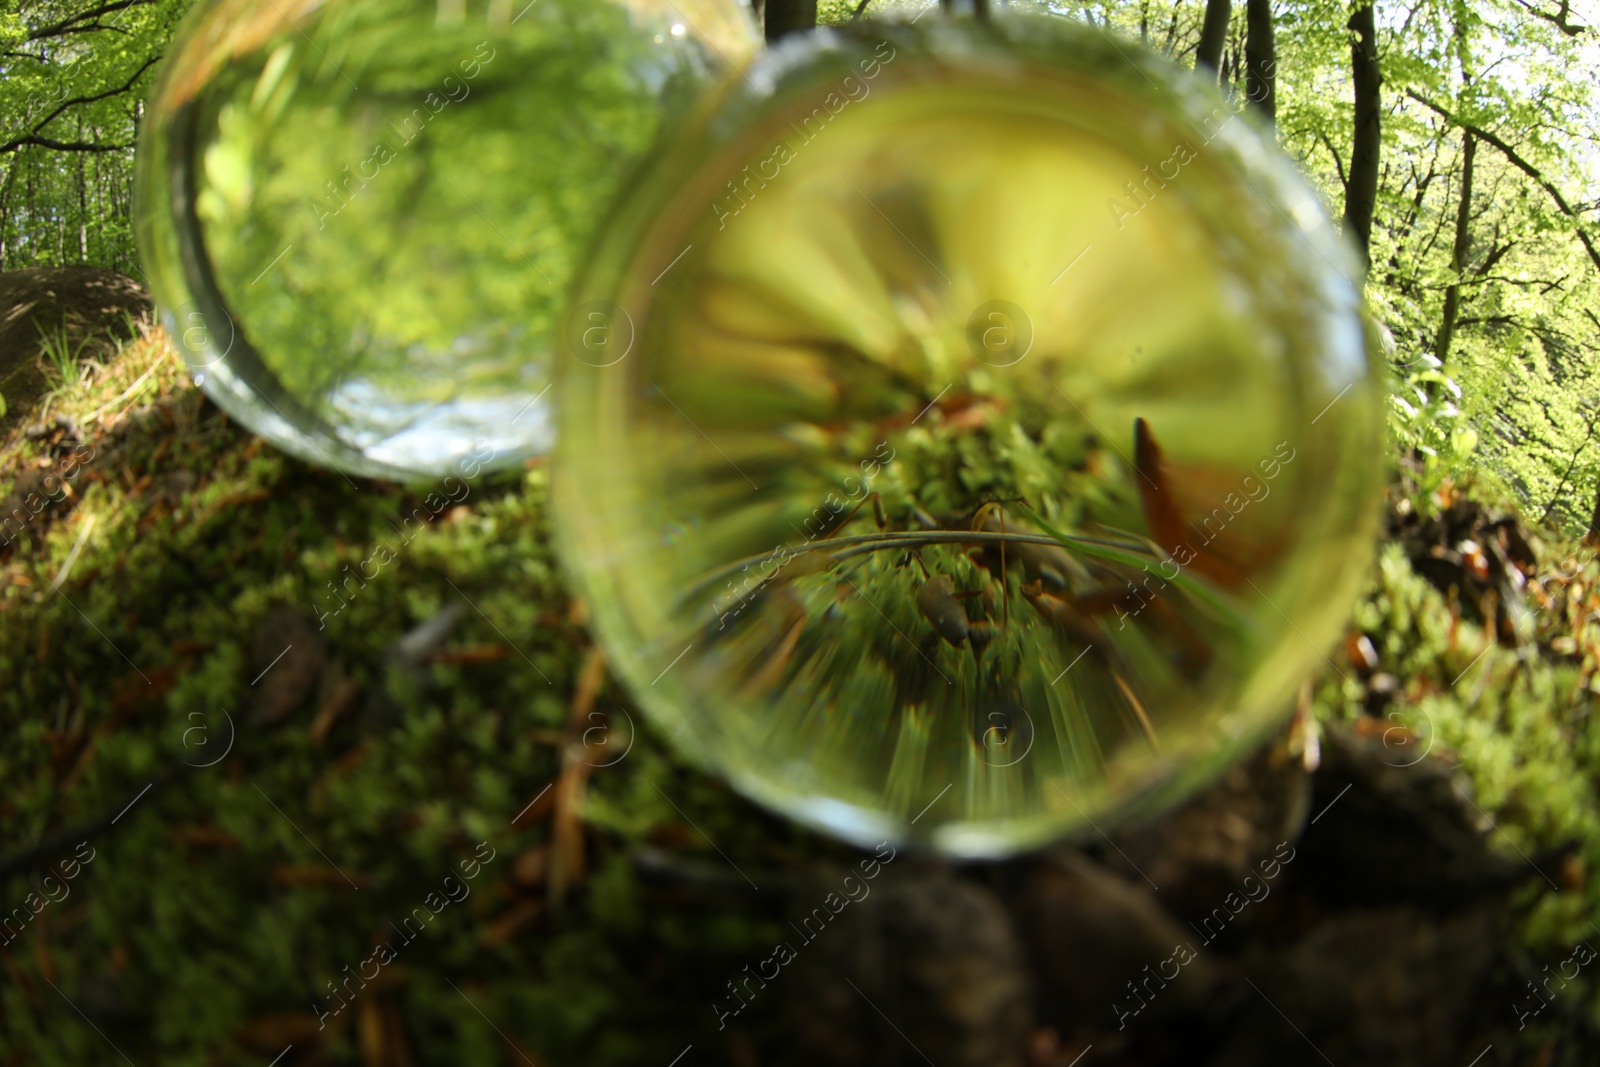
360,217
981,439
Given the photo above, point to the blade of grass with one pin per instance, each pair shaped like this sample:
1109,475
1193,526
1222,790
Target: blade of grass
1200,590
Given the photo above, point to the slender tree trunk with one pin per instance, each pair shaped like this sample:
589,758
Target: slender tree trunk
33,219
784,17
1463,236
1458,254
83,205
1213,35
1593,536
1361,196
1261,58
99,188
5,210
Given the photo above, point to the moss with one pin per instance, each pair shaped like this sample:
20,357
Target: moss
216,908
216,911
1515,715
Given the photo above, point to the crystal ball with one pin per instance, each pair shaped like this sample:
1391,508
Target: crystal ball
360,217
987,441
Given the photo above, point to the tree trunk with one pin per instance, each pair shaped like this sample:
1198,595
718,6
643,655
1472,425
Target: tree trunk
1458,254
83,205
5,210
32,216
784,17
1261,58
1361,196
1593,536
1213,35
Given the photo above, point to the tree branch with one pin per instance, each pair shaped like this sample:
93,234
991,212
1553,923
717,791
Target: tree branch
1494,256
67,25
1516,160
1544,284
1338,161
59,146
31,137
1172,29
1558,20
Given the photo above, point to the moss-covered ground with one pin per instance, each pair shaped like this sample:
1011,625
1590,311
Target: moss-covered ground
173,599
139,612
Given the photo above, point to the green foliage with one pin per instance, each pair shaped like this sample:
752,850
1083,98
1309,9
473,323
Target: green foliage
72,75
388,283
63,359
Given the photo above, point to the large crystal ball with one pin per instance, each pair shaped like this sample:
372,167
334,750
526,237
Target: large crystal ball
968,434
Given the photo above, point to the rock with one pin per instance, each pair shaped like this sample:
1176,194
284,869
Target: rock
1094,938
1394,825
1202,851
1390,987
926,965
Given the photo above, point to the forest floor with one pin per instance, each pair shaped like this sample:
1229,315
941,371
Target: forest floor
80,312
229,790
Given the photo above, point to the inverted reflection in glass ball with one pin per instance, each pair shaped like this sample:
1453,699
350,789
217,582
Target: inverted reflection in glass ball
360,217
997,446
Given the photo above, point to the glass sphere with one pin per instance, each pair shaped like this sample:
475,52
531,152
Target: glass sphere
360,217
986,441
